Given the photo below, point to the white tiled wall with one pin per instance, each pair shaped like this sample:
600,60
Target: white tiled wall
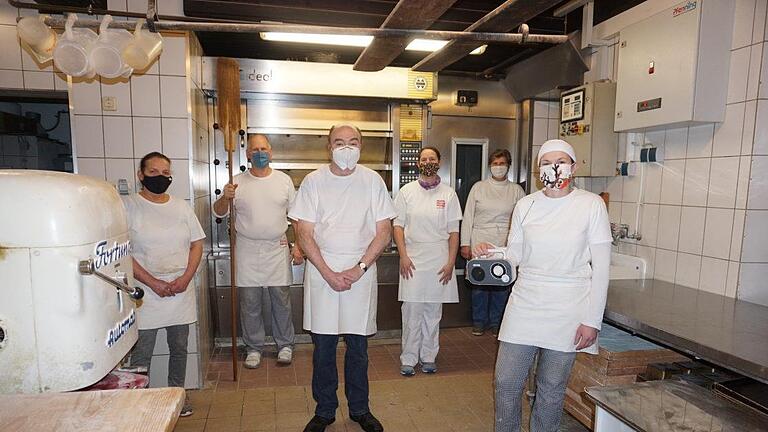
704,218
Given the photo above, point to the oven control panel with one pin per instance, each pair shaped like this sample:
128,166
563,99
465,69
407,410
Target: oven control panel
409,161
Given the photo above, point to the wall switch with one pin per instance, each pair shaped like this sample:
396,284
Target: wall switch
122,187
109,103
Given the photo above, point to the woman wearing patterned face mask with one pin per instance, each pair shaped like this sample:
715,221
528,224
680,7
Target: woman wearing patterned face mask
486,219
560,239
426,232
167,245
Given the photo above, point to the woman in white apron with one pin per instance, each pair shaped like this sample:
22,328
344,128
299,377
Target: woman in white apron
486,220
561,240
167,246
426,232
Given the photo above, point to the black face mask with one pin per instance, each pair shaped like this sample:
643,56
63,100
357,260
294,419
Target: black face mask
157,184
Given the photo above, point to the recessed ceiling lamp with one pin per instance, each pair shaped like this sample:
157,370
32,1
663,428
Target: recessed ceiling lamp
427,45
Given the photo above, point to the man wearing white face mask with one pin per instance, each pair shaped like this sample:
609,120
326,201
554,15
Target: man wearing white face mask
486,219
343,218
560,239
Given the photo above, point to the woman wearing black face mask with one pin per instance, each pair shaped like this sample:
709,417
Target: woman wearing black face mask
167,245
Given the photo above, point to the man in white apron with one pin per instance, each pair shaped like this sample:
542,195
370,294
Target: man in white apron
343,218
262,197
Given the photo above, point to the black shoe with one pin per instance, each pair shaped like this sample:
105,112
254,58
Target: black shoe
368,422
318,424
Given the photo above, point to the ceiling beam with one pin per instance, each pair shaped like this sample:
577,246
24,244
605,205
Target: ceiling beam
407,14
508,16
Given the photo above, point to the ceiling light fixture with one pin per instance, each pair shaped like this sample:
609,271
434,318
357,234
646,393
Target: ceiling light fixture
427,45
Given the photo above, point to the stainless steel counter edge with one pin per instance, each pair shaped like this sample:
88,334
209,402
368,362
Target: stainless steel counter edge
620,294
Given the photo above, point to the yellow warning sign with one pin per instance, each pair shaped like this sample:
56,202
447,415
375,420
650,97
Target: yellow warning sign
422,85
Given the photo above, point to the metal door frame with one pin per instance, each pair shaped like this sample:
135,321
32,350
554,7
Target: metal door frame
468,141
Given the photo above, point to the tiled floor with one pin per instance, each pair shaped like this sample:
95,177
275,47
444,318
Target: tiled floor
278,398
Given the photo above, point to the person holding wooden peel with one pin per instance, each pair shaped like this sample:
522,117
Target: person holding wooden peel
343,218
262,197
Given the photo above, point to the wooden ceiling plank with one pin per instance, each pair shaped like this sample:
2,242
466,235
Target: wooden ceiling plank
508,16
407,14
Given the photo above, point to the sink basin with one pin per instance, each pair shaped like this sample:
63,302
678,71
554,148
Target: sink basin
627,267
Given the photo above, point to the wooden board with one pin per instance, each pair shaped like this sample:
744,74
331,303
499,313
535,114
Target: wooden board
620,359
103,411
407,14
508,16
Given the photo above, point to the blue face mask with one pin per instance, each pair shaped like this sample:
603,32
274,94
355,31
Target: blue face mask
260,159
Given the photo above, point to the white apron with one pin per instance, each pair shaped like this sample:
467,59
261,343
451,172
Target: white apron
538,313
348,312
425,286
263,263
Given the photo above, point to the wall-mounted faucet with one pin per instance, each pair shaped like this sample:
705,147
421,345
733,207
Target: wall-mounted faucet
621,231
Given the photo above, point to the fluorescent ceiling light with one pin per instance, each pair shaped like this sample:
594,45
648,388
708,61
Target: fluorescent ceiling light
428,45
322,39
435,44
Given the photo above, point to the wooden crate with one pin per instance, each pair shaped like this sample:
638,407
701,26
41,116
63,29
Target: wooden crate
621,357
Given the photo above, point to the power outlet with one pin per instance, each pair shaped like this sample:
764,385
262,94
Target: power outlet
109,103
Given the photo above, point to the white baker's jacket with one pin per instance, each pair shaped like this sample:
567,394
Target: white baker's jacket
427,217
344,211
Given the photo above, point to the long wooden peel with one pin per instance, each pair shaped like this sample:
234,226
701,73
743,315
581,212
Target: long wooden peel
228,98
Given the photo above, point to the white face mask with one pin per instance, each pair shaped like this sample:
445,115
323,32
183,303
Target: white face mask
346,157
555,176
499,171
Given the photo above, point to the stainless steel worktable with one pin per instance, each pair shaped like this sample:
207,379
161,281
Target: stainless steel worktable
724,331
671,406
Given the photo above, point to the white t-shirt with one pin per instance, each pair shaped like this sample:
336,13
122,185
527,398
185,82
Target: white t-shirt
160,239
262,252
488,212
262,205
427,216
550,240
344,209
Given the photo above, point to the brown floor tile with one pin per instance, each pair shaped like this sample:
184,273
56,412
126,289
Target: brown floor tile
261,422
232,409
222,397
227,424
259,395
261,407
186,425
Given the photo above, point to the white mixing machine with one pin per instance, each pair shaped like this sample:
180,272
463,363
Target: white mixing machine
67,306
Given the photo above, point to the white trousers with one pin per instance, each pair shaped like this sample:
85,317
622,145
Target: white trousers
421,332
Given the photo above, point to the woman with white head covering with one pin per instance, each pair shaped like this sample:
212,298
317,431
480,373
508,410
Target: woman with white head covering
560,239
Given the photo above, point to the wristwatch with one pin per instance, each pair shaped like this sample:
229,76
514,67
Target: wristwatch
362,266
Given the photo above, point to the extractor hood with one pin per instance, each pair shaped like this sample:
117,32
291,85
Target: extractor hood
558,67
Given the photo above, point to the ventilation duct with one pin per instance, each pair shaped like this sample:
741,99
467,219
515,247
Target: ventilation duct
561,66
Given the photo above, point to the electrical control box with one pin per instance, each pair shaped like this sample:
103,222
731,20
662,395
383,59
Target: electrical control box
465,97
586,122
673,67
